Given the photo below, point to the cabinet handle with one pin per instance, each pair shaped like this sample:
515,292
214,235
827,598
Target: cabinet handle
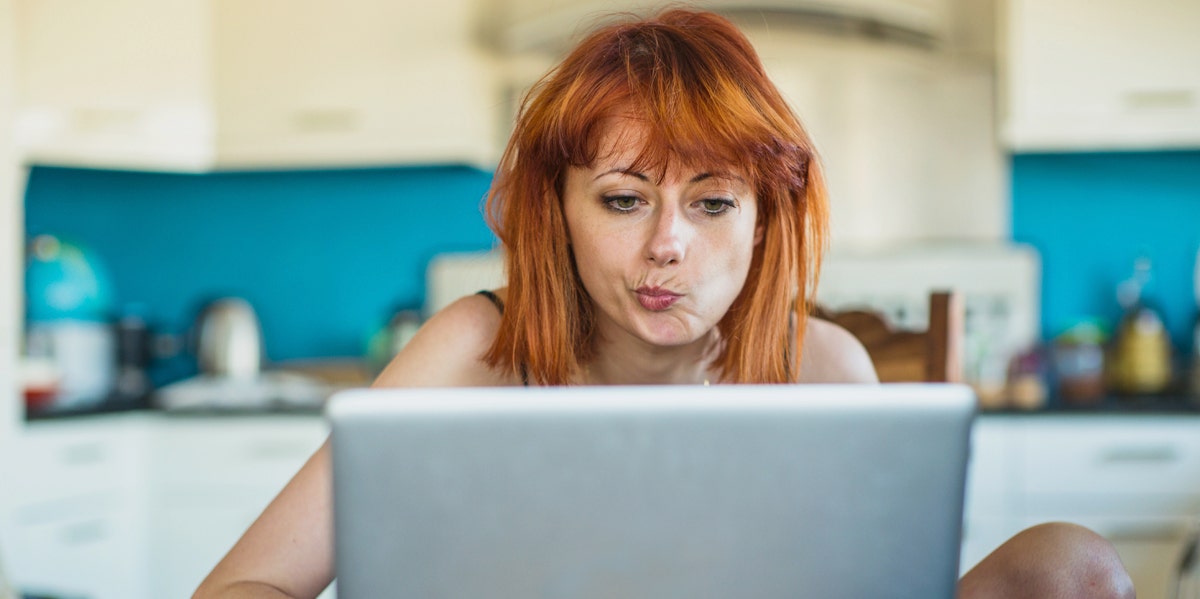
1160,99
82,533
104,120
279,450
1146,533
1140,455
83,454
330,120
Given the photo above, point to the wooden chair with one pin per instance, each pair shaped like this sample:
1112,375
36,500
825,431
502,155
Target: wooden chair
933,355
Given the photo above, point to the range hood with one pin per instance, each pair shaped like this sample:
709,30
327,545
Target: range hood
520,26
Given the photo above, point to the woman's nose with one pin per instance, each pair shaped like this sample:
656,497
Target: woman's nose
667,243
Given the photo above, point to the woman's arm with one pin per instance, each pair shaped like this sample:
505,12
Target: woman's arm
288,551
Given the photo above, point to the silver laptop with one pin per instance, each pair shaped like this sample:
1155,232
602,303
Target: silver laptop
650,492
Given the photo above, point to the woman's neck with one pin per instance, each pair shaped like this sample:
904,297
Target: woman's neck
629,361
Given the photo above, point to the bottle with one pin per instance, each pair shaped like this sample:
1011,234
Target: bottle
132,388
1140,356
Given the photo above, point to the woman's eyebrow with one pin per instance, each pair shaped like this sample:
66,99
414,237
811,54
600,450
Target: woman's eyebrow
716,175
698,178
624,171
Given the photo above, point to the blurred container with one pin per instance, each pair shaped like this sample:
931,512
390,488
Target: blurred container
83,356
1027,389
390,339
134,353
39,379
69,308
1139,360
1078,360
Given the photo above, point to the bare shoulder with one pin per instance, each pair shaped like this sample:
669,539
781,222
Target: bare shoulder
449,348
832,354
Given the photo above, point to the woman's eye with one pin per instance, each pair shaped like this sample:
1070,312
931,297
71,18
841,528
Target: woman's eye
621,203
715,206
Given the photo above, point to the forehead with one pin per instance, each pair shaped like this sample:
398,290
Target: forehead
626,142
621,139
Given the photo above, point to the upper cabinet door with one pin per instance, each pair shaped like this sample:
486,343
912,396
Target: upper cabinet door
1100,74
196,85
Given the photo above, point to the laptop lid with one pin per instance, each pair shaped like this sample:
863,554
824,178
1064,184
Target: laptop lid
650,492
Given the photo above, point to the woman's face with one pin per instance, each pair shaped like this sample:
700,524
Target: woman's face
662,260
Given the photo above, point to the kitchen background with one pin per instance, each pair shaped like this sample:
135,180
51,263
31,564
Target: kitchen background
296,243
324,256
1092,214
313,159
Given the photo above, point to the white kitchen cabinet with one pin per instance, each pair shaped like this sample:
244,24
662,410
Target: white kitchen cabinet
194,85
989,494
1100,74
211,478
1133,479
74,521
140,506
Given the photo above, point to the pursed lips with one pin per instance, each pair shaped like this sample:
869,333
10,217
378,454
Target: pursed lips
656,299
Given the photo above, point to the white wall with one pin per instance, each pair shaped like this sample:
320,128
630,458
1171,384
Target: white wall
11,229
905,134
11,226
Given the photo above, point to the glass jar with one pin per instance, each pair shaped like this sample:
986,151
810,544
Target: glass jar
1078,360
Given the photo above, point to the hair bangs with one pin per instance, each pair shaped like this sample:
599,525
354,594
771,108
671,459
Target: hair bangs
677,82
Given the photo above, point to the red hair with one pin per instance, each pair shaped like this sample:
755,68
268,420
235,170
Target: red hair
696,85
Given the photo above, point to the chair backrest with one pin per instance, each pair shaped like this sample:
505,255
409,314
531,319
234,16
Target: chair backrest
933,355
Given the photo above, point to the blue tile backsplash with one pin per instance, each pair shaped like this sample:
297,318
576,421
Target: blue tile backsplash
325,256
1092,214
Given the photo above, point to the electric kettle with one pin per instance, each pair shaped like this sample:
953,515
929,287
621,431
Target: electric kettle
229,339
228,343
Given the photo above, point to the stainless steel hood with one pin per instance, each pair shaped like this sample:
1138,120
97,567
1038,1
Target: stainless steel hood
519,26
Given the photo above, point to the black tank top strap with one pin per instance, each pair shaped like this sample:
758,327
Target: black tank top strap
493,297
499,303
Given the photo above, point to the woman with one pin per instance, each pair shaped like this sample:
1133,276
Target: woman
663,217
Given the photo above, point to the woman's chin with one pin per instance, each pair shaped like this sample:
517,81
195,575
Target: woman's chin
668,334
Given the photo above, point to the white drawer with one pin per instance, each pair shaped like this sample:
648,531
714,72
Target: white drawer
1099,457
989,487
60,461
86,554
234,453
